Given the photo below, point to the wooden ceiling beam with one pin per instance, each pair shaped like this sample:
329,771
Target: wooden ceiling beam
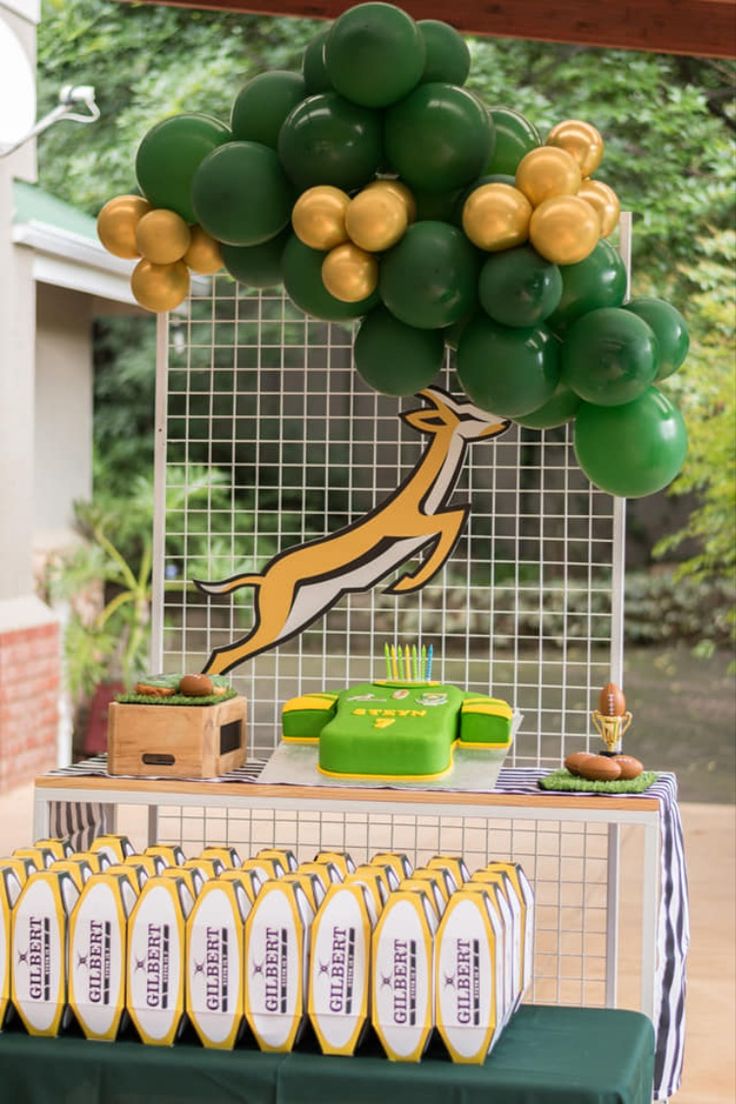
705,28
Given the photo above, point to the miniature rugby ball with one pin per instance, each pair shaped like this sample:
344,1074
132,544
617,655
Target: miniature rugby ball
630,767
611,701
574,763
196,686
599,768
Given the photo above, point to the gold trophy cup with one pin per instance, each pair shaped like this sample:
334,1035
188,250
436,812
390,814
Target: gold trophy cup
611,729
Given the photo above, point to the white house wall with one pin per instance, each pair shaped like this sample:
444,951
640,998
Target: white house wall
63,412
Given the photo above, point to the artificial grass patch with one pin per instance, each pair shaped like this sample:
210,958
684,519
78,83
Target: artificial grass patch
563,780
175,699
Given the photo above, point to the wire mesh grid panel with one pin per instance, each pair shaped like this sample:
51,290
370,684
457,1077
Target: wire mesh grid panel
566,861
268,438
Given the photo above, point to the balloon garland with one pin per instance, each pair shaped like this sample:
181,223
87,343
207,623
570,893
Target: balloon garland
374,186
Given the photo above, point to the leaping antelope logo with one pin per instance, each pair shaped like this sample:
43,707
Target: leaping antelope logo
300,584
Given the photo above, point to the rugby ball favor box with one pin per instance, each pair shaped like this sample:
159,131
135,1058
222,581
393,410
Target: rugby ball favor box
98,939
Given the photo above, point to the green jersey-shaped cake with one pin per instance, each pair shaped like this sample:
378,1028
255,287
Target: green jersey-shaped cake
395,730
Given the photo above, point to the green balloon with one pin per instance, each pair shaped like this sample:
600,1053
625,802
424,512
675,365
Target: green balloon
609,357
241,195
517,287
327,140
509,372
169,156
302,274
598,281
374,54
429,279
561,408
447,53
257,266
263,103
394,358
669,328
439,138
454,332
436,206
634,449
313,64
515,137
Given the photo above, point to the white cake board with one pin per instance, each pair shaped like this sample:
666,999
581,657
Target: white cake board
472,771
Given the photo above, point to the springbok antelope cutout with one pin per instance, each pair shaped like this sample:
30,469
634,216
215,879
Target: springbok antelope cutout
300,584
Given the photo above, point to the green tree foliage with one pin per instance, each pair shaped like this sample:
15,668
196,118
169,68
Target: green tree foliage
668,124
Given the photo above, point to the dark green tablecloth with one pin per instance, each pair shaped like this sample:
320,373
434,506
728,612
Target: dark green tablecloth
547,1055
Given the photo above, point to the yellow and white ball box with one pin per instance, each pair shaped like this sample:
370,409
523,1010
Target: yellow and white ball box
156,959
525,893
41,857
98,936
60,847
77,868
215,961
39,951
13,877
327,872
249,880
497,902
339,968
341,859
312,885
397,862
402,975
170,854
228,856
469,976
454,864
286,859
116,848
267,869
374,879
514,947
277,963
431,889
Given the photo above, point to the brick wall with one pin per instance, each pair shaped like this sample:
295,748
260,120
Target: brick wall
29,711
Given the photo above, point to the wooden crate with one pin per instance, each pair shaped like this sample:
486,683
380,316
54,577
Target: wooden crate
177,741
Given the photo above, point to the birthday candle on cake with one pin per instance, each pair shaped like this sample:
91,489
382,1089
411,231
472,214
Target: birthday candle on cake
387,655
394,665
415,661
423,663
407,663
429,662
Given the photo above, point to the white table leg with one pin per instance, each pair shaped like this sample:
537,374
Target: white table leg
41,815
152,824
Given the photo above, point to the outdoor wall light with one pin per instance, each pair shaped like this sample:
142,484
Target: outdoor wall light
71,96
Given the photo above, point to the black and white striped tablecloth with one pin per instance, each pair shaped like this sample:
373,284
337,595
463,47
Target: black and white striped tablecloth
83,821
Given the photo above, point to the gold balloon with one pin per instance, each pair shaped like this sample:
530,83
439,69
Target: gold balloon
581,140
564,230
160,287
349,273
162,236
116,224
546,172
398,188
376,219
318,217
203,255
496,216
604,202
